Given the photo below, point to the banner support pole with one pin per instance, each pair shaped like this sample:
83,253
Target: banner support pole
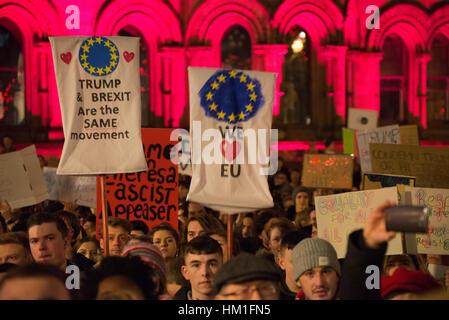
104,209
230,236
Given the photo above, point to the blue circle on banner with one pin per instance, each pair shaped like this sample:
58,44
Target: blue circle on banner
99,56
231,96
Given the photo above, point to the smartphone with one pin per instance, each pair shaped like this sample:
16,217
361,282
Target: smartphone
412,219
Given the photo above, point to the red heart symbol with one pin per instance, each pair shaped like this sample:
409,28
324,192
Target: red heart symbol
231,150
66,57
128,56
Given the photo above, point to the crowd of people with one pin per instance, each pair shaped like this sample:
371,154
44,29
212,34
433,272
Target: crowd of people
51,251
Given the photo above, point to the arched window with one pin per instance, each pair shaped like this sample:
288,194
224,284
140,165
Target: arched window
236,49
295,101
144,74
393,74
12,99
438,83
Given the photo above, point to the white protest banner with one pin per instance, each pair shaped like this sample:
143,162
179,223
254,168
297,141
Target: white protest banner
99,92
340,214
82,189
436,240
361,119
21,180
230,114
389,134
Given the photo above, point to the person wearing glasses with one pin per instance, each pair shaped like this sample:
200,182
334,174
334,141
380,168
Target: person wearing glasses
248,277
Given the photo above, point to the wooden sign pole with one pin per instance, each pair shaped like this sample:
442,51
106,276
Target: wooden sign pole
104,210
230,236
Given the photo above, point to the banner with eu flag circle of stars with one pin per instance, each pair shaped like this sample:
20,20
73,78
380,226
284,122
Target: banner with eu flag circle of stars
98,84
230,122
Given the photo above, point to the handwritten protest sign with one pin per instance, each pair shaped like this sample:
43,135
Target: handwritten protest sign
150,196
99,92
340,214
82,189
327,171
436,241
428,164
361,119
389,134
21,180
377,181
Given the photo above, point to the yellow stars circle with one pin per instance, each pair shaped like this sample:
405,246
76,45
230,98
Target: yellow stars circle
213,97
98,63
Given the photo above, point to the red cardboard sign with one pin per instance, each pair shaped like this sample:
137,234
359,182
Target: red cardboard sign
150,196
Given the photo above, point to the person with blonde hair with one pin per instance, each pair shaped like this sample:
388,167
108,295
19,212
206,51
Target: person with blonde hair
274,231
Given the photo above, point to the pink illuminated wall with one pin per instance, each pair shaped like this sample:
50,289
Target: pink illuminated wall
181,33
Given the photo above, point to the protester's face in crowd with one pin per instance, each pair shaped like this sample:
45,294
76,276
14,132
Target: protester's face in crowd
280,178
195,208
248,228
319,283
275,240
119,287
396,261
8,143
285,262
117,240
89,250
165,241
251,290
47,244
34,288
14,253
200,270
194,229
223,244
301,201
294,177
89,227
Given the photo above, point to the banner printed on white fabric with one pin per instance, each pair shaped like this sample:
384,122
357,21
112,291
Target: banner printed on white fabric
232,109
22,182
99,92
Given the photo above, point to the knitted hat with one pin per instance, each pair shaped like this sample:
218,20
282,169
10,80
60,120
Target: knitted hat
150,254
313,253
407,281
246,267
299,189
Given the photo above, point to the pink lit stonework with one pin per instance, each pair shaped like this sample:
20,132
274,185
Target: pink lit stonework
182,33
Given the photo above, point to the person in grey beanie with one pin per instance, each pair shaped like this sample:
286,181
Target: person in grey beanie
301,200
316,269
